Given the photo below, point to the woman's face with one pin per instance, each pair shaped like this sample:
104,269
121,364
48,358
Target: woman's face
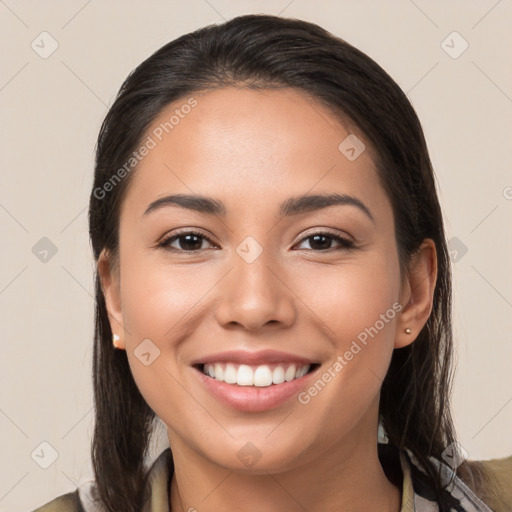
258,290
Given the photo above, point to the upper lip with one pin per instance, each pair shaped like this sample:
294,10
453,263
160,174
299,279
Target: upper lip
253,358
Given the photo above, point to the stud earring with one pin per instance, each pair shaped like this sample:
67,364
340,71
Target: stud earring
115,340
407,330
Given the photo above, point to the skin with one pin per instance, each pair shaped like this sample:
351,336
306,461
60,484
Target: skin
252,150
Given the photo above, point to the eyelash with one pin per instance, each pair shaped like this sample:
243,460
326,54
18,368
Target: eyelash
345,243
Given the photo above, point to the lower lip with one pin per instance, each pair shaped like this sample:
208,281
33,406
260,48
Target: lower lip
252,398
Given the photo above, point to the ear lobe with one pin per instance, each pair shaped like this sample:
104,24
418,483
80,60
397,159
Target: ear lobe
109,278
418,293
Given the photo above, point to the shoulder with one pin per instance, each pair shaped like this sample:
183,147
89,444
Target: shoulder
69,502
85,498
498,482
483,486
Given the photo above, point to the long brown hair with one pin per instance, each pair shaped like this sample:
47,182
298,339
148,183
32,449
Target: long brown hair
262,51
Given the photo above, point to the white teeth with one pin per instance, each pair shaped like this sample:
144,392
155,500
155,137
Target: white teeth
244,375
219,371
289,374
229,374
259,376
278,375
300,372
262,376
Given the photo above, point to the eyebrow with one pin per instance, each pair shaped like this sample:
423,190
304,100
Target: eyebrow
292,206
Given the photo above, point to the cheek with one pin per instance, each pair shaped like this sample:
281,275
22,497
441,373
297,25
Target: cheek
158,298
349,298
357,309
157,305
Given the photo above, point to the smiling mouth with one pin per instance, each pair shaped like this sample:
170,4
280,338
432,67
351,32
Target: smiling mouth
255,375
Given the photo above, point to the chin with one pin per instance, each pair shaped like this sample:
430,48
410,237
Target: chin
257,457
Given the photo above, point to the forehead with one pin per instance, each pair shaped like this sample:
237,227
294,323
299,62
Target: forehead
252,144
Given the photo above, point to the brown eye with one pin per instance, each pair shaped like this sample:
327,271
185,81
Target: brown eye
191,242
321,242
188,242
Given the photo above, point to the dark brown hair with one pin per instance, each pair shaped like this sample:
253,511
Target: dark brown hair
261,51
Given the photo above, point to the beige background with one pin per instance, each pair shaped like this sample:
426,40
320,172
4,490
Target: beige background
51,113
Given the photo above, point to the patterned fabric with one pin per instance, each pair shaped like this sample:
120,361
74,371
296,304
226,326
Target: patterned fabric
417,496
464,500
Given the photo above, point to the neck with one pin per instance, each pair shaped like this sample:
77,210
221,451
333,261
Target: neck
348,477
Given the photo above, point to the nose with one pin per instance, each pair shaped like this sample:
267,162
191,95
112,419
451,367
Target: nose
255,296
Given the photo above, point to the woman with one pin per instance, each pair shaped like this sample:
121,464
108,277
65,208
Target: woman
273,283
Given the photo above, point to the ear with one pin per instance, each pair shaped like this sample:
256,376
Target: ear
417,293
109,277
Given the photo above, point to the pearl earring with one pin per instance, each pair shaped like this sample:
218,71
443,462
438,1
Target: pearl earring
115,340
407,330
